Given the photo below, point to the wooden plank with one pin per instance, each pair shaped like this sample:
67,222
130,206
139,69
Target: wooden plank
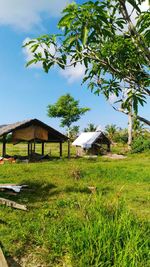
3,262
12,204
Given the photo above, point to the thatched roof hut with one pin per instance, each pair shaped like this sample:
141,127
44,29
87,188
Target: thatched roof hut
30,131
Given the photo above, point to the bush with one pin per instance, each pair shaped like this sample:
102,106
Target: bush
140,144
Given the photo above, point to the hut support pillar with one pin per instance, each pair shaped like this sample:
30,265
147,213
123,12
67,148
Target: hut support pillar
28,149
60,149
108,148
4,146
34,146
68,148
42,148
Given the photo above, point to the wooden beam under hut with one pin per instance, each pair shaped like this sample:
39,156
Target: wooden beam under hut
60,149
42,148
4,146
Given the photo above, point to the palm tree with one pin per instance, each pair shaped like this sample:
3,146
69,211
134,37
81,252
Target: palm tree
111,130
91,128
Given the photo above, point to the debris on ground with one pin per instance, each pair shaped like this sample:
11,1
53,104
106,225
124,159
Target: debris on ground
12,204
114,156
13,187
7,160
91,157
92,189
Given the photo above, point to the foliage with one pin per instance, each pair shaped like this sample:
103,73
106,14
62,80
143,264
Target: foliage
74,132
90,128
111,131
121,136
140,144
94,35
66,108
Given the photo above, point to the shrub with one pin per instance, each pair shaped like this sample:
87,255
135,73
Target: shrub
140,144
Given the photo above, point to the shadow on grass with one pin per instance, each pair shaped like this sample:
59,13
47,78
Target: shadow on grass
72,189
106,190
12,263
36,191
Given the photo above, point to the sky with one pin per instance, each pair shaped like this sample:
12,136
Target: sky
26,92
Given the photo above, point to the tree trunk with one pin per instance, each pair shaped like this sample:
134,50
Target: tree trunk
68,143
130,126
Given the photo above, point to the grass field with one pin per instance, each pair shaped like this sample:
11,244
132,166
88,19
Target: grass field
66,224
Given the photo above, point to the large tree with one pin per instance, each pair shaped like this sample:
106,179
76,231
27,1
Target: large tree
113,47
68,110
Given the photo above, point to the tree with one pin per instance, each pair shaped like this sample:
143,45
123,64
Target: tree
74,132
111,130
67,109
90,128
117,60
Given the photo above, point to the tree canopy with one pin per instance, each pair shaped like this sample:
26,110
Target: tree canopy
67,109
112,45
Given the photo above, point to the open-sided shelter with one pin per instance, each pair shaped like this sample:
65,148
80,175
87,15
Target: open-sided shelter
92,143
31,131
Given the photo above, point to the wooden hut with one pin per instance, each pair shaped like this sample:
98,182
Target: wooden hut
31,131
92,143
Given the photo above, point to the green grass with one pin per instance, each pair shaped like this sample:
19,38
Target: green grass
68,226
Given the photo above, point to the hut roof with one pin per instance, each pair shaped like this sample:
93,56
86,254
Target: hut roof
54,135
87,139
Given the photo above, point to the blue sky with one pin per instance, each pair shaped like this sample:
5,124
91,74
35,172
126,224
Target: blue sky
26,92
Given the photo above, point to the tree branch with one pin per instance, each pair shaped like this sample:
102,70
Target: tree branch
138,117
133,32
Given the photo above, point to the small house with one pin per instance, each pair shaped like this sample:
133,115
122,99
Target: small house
92,143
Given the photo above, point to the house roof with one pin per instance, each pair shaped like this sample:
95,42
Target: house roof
54,135
87,139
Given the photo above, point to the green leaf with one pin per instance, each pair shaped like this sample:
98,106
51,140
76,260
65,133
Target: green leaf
135,5
31,62
84,34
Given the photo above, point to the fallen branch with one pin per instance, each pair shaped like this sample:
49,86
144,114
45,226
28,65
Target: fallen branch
12,204
3,262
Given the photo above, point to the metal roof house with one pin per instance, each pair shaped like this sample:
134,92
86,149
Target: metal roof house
91,143
31,131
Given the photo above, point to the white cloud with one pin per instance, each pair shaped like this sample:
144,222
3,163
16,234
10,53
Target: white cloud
72,73
26,14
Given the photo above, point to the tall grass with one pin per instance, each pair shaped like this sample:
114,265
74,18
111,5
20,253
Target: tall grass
109,236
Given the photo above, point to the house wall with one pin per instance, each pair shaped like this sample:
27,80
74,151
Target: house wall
30,133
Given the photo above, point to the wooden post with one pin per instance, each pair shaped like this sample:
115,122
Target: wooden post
31,148
34,146
108,147
42,148
68,148
28,149
60,149
4,146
